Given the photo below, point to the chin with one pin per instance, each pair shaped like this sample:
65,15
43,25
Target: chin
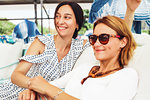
100,57
97,56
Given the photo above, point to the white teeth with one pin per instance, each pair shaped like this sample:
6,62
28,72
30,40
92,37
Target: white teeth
61,27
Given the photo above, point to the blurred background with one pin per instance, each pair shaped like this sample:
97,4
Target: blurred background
41,12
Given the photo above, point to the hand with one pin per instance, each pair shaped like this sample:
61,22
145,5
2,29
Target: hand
38,84
133,4
27,95
31,95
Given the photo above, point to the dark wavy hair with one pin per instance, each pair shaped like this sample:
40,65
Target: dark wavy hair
78,14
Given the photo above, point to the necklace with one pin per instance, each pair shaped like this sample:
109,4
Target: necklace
93,73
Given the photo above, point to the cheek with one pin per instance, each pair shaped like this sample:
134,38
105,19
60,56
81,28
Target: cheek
114,45
110,50
72,24
72,27
114,49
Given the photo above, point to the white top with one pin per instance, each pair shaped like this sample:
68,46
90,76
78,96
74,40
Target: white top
121,85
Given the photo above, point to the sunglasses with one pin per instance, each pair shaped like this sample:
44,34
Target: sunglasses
103,38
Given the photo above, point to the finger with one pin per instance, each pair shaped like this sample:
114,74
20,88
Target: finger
48,98
33,95
20,97
23,96
28,94
42,97
38,97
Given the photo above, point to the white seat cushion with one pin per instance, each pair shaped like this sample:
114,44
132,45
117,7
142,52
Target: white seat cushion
141,63
9,54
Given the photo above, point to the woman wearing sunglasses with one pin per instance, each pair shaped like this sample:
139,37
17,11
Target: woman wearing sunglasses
113,46
54,56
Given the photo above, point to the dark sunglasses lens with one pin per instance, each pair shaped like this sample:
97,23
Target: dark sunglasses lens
92,39
104,38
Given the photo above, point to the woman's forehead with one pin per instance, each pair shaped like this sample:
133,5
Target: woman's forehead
65,9
102,28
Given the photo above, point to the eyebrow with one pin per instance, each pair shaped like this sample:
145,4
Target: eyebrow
65,14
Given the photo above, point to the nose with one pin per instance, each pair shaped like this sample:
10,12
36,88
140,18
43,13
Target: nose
61,20
97,43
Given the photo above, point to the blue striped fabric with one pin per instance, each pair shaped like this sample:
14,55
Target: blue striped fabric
118,8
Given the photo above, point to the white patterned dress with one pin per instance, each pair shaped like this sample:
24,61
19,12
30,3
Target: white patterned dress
46,65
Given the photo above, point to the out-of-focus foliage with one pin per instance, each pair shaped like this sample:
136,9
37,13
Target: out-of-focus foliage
86,26
6,27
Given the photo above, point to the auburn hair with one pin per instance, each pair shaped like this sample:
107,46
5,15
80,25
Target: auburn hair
122,29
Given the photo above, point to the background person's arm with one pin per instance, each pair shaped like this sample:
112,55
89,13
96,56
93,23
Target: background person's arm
131,7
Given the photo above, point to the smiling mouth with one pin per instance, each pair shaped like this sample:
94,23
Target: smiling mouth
99,50
61,28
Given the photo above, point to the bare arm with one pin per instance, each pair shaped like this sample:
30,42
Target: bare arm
131,7
19,77
52,92
41,86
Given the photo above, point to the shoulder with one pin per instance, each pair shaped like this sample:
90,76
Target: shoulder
45,39
127,74
38,42
81,43
84,42
36,47
129,70
42,39
127,77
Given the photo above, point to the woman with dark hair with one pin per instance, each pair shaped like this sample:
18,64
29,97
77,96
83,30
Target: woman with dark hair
49,56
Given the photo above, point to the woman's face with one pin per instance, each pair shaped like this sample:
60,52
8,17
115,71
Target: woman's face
65,21
111,49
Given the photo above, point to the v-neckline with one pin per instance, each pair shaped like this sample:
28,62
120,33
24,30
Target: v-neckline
56,50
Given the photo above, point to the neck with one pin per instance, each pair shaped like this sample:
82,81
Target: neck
62,43
109,65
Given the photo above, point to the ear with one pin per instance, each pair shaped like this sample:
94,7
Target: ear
123,42
77,27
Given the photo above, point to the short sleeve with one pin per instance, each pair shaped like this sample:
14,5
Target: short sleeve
46,55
